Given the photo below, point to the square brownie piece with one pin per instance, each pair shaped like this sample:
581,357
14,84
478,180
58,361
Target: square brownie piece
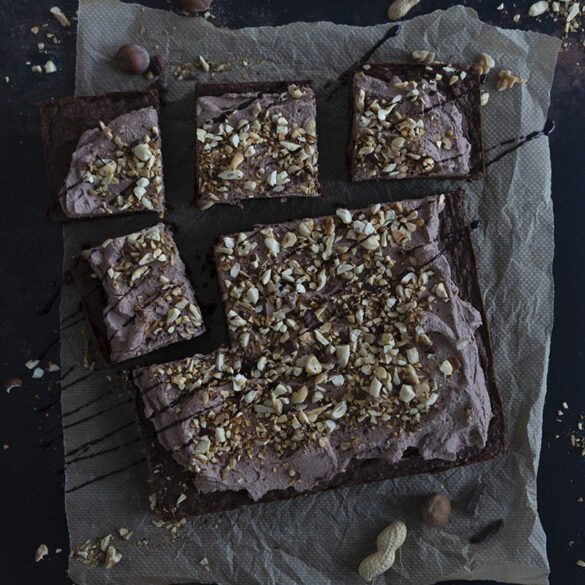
103,155
414,121
360,352
255,140
136,294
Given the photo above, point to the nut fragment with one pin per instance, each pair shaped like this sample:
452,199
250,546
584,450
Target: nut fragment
507,79
436,510
50,67
42,551
313,366
132,59
12,383
60,16
486,63
538,8
113,557
421,55
399,8
485,96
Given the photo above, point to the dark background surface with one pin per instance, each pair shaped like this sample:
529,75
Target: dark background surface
31,484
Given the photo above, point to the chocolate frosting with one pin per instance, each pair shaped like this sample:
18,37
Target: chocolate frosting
445,132
142,289
78,196
187,401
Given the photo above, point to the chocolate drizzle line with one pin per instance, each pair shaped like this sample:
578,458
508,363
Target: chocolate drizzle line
99,413
488,532
103,451
68,372
46,306
548,129
85,446
65,386
344,75
105,475
41,355
110,391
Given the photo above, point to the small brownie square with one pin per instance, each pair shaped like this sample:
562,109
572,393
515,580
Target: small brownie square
103,155
359,352
136,294
255,140
415,120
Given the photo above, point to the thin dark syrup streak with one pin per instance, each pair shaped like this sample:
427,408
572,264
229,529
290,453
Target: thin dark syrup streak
548,129
70,384
44,308
344,75
85,446
102,452
105,475
96,414
93,401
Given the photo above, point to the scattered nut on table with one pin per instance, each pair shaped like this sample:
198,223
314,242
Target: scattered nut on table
538,8
132,59
507,79
42,551
436,510
399,8
388,542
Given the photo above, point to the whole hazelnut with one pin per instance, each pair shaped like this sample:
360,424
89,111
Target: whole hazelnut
132,59
157,65
196,5
436,510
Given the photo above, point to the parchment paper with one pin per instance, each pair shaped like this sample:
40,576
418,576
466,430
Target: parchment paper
322,538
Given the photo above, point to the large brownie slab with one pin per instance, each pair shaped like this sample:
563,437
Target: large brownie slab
65,120
173,482
255,140
415,120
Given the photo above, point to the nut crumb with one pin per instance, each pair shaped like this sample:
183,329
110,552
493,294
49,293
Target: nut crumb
38,373
12,383
31,364
50,67
400,8
60,16
507,79
42,552
113,557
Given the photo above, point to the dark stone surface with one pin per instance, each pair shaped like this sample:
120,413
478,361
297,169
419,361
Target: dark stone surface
31,487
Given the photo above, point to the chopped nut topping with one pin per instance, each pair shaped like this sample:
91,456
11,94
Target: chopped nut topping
256,151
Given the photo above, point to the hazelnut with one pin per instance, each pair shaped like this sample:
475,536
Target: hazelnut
157,65
132,59
195,5
436,510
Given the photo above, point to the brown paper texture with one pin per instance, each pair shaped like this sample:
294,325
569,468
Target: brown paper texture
322,538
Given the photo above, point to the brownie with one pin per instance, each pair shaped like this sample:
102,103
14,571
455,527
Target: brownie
231,417
255,140
103,154
136,294
415,120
